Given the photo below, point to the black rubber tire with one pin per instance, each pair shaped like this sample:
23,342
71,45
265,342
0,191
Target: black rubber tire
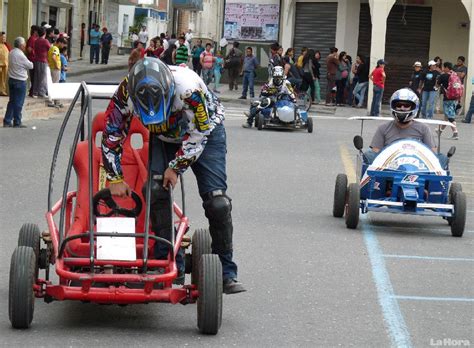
209,303
310,124
340,193
201,244
260,121
353,206
459,219
21,298
30,236
455,187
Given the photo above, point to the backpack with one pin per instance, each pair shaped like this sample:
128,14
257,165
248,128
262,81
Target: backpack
455,88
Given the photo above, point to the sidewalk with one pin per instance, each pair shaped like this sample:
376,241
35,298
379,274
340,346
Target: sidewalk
38,109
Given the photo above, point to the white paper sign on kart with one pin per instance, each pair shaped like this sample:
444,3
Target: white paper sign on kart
116,248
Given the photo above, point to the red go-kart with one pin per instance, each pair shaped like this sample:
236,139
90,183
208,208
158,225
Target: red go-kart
74,247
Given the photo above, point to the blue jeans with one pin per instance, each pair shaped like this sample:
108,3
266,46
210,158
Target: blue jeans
369,157
94,53
359,92
15,103
377,98
428,104
207,75
470,111
210,173
248,84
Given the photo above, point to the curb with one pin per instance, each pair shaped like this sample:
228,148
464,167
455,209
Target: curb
104,68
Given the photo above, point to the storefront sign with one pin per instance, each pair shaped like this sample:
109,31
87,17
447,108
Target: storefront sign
252,20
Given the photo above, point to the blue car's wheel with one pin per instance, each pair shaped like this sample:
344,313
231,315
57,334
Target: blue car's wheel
340,193
459,218
260,121
352,206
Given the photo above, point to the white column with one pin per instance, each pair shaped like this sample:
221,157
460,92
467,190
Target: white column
287,22
347,32
379,11
470,58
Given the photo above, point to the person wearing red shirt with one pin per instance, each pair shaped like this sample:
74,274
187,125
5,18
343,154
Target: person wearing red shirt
40,85
378,78
30,54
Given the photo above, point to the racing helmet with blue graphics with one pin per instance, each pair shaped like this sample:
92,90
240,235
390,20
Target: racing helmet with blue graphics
404,105
151,89
278,75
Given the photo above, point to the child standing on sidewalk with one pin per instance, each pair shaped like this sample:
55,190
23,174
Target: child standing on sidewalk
218,69
64,68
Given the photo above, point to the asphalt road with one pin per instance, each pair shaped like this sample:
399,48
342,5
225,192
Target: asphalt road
396,280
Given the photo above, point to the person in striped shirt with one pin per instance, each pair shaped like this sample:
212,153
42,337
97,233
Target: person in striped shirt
182,53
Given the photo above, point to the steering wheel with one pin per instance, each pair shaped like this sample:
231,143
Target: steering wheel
104,198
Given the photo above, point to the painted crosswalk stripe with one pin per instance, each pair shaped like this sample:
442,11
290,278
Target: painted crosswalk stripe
427,298
434,258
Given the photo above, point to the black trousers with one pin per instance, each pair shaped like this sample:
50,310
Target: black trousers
105,54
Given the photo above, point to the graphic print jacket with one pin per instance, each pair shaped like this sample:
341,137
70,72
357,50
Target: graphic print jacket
194,114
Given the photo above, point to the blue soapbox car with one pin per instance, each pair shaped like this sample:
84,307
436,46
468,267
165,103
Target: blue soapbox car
406,177
281,113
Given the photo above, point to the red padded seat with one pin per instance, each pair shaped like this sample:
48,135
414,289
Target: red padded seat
134,166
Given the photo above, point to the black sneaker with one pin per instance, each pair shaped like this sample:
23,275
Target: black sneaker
19,126
7,125
247,125
233,286
242,97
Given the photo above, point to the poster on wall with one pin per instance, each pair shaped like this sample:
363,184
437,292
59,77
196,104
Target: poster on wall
251,20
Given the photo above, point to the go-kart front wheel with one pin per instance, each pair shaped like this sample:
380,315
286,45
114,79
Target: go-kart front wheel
340,193
21,297
201,245
353,206
260,121
209,304
458,220
310,124
453,189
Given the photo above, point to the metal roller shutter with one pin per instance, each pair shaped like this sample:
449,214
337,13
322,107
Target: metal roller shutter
406,42
315,28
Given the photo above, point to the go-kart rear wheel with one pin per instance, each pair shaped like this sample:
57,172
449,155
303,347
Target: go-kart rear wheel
310,124
201,244
353,206
30,236
453,189
21,298
260,121
209,303
458,221
340,193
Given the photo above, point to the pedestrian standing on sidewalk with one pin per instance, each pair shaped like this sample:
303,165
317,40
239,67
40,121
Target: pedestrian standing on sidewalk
415,79
317,75
275,58
308,74
363,81
461,70
83,39
249,73
445,81
439,95
64,64
332,64
189,37
54,61
40,82
207,62
218,69
143,36
105,44
468,117
4,51
30,54
182,53
196,54
233,64
378,78
94,36
428,86
168,55
18,75
342,73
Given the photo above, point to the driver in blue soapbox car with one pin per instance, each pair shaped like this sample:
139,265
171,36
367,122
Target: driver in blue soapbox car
278,88
404,105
